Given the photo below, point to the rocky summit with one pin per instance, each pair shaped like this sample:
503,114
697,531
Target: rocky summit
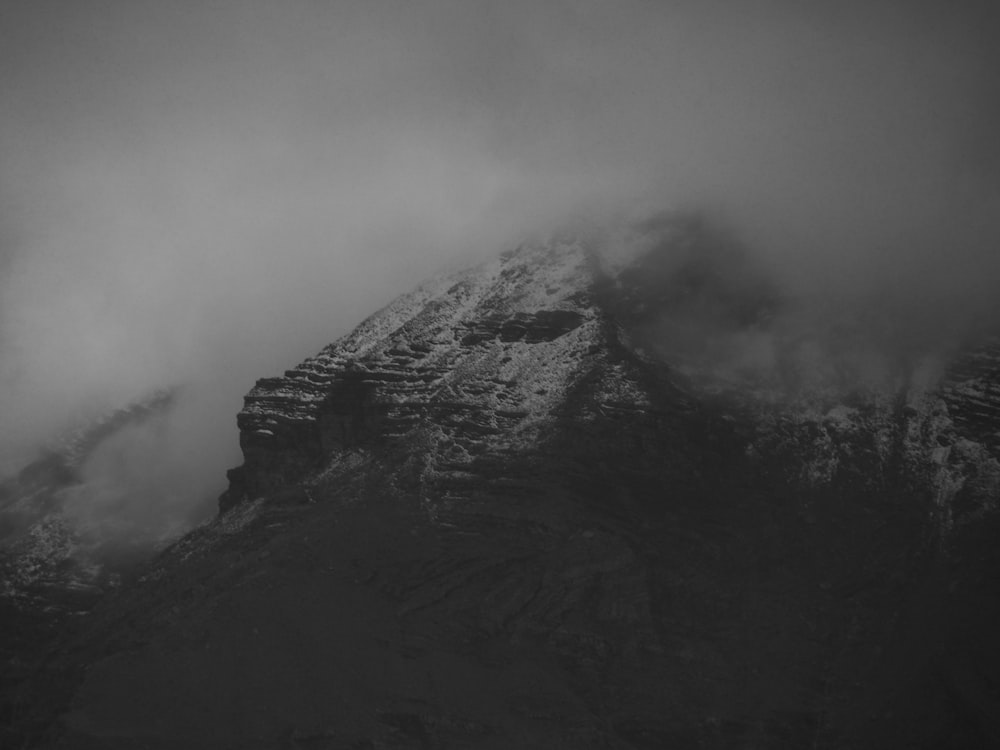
574,498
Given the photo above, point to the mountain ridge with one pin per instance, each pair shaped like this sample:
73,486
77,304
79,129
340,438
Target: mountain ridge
559,502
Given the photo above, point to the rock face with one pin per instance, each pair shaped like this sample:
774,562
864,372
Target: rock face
972,392
458,385
560,501
474,363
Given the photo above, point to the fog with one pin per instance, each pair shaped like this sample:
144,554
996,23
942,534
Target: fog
206,193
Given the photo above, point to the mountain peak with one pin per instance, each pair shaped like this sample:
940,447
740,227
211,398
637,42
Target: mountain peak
475,362
553,501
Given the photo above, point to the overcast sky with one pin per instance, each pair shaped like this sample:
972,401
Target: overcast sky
207,192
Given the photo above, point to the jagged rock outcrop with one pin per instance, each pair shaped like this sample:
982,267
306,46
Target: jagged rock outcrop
455,381
565,500
477,364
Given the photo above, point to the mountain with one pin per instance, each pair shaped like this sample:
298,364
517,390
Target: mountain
612,492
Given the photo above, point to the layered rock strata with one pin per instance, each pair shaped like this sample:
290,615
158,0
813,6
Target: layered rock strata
453,380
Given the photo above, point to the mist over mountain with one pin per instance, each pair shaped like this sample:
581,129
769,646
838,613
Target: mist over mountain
199,195
588,493
750,265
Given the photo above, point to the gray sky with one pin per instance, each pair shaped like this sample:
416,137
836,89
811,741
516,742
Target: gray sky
207,192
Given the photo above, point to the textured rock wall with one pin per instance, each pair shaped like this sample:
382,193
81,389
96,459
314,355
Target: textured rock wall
472,368
471,364
971,390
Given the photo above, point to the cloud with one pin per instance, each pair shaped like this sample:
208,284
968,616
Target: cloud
206,195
